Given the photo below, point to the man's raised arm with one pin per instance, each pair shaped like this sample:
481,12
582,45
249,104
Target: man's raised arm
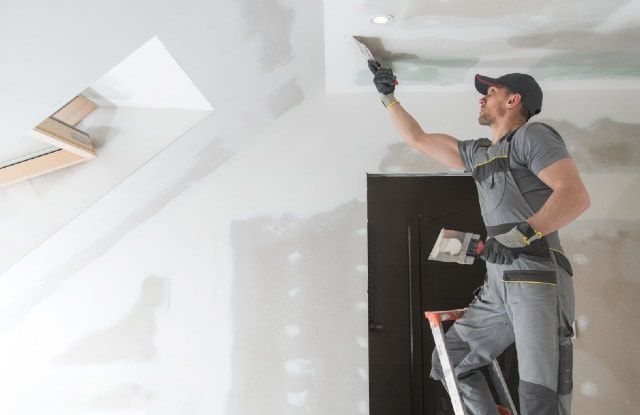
440,147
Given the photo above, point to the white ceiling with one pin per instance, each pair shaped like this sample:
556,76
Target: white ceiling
441,44
148,78
235,52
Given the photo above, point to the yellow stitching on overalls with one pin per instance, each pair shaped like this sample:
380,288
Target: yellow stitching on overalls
533,282
489,161
558,251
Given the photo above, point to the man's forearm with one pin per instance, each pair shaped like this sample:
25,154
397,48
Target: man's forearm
406,125
562,207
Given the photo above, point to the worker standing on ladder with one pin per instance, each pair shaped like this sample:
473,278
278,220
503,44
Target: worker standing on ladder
528,188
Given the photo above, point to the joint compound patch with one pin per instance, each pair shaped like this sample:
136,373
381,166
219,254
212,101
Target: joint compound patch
299,367
292,331
362,306
580,259
363,373
294,257
363,406
362,342
589,389
297,399
582,322
294,291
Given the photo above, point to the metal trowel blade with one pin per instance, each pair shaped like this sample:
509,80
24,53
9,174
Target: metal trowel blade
454,246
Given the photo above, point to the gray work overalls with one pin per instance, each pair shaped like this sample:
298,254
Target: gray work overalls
530,302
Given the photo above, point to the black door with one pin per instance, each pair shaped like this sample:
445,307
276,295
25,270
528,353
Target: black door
405,215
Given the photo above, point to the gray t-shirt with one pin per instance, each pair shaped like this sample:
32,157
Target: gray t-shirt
537,147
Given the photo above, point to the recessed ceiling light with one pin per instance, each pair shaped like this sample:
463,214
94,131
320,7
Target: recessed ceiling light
381,19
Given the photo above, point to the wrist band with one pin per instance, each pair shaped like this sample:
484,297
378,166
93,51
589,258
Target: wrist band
388,100
392,104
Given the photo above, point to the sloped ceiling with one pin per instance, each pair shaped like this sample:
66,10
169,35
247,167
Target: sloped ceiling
232,51
441,44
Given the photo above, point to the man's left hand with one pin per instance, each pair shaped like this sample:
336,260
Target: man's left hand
505,248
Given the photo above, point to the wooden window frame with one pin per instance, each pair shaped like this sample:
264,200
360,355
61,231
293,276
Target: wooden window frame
72,145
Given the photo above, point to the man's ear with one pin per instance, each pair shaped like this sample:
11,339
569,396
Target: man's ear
514,100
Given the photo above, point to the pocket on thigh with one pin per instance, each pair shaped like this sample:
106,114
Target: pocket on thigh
532,299
530,287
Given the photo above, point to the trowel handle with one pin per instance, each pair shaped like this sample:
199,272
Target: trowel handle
476,248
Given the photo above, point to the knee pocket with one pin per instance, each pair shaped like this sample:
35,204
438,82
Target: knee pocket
537,399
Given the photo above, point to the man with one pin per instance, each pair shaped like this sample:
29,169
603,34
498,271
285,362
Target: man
528,187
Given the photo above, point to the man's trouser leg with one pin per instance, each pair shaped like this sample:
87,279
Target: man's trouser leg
540,304
472,342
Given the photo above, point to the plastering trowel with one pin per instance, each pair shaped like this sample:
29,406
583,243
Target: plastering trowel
456,246
364,51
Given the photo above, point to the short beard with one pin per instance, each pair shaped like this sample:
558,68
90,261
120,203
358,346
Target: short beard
485,119
488,119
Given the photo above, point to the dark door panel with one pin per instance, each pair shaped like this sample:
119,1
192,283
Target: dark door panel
405,215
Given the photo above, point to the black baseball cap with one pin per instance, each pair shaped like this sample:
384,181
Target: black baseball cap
520,83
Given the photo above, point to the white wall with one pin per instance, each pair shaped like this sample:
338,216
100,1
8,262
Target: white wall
229,275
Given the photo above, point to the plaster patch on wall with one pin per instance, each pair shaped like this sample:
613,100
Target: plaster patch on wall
324,299
270,23
362,231
292,331
589,389
362,306
131,339
205,162
583,323
294,291
400,158
362,342
363,406
580,259
294,257
284,98
605,146
299,367
361,268
127,395
297,398
362,372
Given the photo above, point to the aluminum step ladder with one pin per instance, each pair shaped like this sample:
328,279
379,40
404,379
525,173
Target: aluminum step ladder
436,318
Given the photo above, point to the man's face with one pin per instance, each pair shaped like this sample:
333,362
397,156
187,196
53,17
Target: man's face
492,105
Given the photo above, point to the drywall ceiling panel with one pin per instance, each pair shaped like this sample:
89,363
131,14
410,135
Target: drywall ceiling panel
442,44
52,51
148,78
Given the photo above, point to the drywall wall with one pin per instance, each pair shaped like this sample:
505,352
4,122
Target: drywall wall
235,281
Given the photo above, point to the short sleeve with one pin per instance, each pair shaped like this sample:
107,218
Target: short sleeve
468,150
539,147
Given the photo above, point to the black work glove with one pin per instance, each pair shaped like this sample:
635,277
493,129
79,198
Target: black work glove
506,247
384,79
496,253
